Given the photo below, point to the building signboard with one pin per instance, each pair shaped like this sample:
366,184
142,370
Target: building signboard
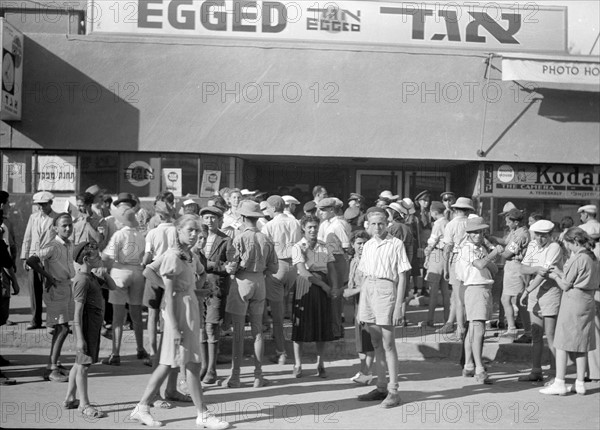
541,181
11,47
464,25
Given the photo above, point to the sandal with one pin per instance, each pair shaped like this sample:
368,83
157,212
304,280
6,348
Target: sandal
112,360
90,411
161,403
149,361
71,404
178,397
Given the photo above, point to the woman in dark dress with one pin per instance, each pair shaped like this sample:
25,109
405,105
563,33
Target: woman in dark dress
312,301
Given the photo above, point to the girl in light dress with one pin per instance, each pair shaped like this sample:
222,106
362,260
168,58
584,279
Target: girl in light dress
182,275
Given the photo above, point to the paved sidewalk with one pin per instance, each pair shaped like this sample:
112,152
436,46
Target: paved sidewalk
434,395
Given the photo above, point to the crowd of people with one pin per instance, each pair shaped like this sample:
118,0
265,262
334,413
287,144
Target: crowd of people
202,272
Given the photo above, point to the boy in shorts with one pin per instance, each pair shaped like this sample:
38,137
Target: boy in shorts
385,266
57,269
434,263
476,271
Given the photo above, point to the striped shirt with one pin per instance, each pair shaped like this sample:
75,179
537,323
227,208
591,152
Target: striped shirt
384,259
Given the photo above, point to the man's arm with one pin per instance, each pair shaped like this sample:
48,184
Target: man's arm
401,289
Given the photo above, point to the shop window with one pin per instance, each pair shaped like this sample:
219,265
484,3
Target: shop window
55,172
99,168
180,173
139,174
16,171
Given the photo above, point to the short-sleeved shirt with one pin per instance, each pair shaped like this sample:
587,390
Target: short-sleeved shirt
385,259
550,255
582,271
455,231
161,238
284,231
88,291
126,246
86,228
404,233
57,257
334,234
516,242
591,227
254,252
436,239
464,269
315,259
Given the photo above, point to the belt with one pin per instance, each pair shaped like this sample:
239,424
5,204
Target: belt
287,260
375,278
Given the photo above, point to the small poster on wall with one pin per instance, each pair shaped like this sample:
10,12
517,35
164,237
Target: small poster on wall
56,173
172,181
211,180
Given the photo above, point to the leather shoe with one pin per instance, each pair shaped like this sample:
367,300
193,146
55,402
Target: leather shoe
373,396
391,400
56,376
524,338
33,326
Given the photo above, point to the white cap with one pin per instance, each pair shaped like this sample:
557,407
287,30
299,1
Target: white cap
590,209
247,192
290,199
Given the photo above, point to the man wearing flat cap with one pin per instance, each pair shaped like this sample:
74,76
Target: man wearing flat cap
38,233
215,250
589,223
284,231
542,294
335,235
253,257
290,206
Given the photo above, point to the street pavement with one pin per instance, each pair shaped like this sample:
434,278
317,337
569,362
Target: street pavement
433,392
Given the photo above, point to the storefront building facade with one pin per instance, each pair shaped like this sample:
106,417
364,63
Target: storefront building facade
147,96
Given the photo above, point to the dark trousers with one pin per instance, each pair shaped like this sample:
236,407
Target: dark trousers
36,290
108,309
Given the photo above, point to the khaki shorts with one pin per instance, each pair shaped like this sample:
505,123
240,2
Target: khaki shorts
377,301
60,307
278,283
436,269
247,293
478,302
130,285
545,302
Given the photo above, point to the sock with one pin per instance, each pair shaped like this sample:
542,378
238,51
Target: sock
479,369
559,382
470,366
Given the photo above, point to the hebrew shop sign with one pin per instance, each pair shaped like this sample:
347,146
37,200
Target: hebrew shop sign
470,25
